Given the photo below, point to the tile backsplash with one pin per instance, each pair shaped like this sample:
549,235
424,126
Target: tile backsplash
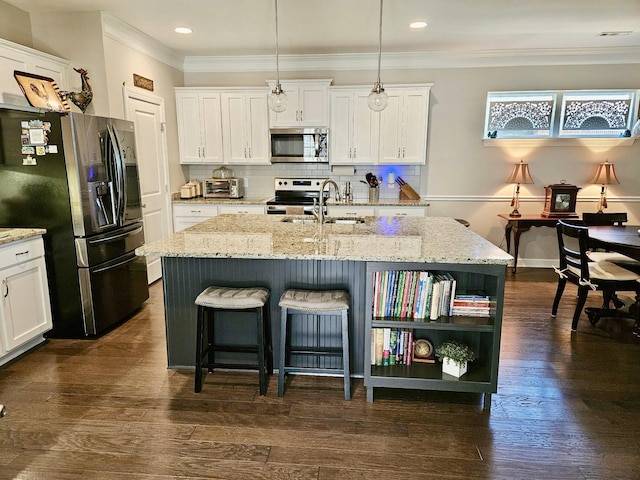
259,179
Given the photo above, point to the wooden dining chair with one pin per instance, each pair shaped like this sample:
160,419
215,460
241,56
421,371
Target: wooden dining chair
592,219
575,266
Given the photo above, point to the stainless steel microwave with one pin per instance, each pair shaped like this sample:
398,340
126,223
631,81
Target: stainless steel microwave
299,145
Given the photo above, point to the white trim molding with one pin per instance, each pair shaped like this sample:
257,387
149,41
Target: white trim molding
124,33
411,60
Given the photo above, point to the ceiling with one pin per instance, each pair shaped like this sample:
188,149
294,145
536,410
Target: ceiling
247,27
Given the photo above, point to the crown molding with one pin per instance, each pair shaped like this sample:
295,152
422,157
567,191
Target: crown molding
411,61
129,36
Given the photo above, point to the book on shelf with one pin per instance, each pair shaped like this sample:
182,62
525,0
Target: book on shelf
392,346
417,295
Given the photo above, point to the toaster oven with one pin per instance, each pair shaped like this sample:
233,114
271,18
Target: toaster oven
223,188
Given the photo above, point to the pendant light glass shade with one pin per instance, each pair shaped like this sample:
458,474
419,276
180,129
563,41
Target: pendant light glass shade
378,99
278,99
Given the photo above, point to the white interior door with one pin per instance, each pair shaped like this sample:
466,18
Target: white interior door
146,111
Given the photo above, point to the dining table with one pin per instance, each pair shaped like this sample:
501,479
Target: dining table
622,239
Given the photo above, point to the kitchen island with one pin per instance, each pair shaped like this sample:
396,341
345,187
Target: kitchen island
281,252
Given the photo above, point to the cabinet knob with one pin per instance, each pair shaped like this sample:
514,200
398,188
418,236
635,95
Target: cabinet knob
5,287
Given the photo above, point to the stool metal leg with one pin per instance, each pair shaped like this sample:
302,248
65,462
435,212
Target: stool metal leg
283,350
267,335
199,340
262,377
345,355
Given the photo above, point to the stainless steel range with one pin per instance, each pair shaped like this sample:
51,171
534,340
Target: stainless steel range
296,196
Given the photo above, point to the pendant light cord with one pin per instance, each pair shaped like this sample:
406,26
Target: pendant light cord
379,42
277,63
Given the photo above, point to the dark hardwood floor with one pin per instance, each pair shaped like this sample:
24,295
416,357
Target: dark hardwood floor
567,407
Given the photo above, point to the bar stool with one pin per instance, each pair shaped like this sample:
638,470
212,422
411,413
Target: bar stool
318,303
223,299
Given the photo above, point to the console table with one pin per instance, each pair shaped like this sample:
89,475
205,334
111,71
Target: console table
517,225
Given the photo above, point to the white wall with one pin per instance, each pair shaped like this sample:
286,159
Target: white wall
15,25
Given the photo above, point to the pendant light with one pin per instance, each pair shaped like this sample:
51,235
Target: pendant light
378,99
277,99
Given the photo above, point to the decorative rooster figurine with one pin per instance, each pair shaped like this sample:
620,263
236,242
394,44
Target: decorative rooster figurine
81,99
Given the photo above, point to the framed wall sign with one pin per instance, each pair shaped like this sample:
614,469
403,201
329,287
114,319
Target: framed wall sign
40,92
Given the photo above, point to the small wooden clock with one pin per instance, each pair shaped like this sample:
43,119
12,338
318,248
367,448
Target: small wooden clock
560,201
423,351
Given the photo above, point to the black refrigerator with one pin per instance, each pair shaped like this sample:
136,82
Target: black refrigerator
76,176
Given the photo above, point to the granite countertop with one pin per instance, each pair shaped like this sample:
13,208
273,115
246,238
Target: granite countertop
383,202
393,239
8,235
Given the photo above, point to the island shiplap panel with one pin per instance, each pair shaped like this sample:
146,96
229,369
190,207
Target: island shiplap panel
184,278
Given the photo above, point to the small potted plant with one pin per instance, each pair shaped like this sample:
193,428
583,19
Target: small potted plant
454,356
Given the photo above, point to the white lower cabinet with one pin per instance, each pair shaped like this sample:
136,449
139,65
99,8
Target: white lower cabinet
187,215
25,310
376,211
241,209
351,211
401,211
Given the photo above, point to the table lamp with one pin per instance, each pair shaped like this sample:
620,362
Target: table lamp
606,175
519,175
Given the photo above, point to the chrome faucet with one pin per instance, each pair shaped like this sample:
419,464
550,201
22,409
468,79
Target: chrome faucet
320,213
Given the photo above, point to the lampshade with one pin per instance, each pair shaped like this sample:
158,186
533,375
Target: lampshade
606,174
520,174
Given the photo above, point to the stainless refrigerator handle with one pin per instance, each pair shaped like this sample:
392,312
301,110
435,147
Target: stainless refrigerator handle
121,190
116,237
110,267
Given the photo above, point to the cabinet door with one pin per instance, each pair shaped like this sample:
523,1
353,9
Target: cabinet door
414,127
257,129
188,113
365,131
210,127
313,106
307,105
403,127
291,116
341,148
401,211
185,215
391,131
241,209
25,312
350,211
233,127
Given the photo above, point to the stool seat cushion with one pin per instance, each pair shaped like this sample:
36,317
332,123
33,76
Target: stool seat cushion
233,298
315,300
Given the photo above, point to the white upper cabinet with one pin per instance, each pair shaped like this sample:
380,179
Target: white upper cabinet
199,125
245,127
307,104
403,126
17,57
353,131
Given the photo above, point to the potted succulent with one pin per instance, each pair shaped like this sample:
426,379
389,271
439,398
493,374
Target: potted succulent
454,356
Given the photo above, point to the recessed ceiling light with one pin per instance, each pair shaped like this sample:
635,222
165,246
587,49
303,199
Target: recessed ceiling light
184,30
419,24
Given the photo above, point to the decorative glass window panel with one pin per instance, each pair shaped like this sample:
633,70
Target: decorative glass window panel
520,114
597,113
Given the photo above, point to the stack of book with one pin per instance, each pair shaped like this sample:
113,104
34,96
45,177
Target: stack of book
390,346
412,295
471,306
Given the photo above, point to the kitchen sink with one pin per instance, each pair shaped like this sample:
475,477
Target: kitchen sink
306,219
344,220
